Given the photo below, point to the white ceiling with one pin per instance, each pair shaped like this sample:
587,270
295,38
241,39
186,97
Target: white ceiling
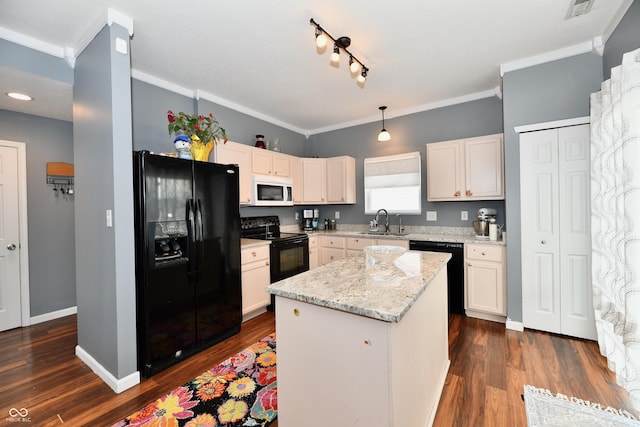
259,56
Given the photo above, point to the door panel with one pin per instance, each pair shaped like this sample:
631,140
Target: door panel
10,309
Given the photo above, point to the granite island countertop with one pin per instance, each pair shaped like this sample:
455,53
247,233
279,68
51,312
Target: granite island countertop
360,286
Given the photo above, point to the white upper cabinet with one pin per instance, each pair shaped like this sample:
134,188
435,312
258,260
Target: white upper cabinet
265,162
341,180
466,169
237,154
314,178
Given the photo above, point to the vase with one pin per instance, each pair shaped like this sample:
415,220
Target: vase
200,151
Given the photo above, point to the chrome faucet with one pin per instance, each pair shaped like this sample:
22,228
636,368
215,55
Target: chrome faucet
386,219
400,228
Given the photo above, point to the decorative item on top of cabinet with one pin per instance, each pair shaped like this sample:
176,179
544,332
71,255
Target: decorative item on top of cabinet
238,154
466,169
255,278
341,180
485,281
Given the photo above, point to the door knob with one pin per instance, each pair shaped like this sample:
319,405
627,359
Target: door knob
11,247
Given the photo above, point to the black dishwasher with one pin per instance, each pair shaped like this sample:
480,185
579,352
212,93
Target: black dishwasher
455,269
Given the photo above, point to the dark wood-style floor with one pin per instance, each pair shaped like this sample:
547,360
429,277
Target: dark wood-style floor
489,367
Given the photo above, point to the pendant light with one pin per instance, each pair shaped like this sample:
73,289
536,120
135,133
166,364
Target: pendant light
383,136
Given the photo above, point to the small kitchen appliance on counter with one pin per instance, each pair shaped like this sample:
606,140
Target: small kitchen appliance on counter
486,216
307,220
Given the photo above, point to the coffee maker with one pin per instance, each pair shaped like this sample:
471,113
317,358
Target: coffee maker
486,216
307,220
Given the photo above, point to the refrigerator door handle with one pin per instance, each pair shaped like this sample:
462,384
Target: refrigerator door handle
199,226
191,219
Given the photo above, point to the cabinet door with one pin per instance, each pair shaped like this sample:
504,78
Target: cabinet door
328,255
255,279
484,168
261,161
444,171
296,177
341,182
485,287
238,154
314,253
281,165
314,181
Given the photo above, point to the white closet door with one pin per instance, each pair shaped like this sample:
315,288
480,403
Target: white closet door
540,230
575,234
556,248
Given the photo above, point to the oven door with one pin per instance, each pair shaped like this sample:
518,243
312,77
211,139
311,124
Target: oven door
289,258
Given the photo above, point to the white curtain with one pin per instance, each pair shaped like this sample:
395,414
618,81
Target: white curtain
615,221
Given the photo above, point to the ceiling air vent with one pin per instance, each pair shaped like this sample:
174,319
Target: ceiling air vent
578,7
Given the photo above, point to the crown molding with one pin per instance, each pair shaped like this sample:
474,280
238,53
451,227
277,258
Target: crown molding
594,45
164,84
417,109
200,94
31,43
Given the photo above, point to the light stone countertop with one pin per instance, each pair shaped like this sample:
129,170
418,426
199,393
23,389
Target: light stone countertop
360,286
420,233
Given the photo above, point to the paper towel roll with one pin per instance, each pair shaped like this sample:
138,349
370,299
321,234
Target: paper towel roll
493,232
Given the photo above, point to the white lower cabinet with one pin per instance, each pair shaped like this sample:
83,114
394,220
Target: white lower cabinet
332,248
256,276
485,281
314,252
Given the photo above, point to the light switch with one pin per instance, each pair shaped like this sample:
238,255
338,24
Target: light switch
464,215
121,46
432,215
109,218
337,215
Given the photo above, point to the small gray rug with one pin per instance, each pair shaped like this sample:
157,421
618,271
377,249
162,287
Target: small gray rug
545,409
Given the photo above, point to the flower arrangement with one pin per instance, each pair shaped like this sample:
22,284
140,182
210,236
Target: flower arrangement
205,128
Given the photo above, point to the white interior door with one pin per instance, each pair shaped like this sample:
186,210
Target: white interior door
575,233
540,236
10,289
556,242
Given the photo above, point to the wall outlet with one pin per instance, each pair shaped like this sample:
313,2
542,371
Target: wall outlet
297,216
337,215
464,215
432,215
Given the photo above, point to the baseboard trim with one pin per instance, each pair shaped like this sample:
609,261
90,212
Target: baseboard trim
514,326
117,385
54,315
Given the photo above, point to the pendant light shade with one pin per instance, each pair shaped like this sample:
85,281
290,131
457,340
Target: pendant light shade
383,136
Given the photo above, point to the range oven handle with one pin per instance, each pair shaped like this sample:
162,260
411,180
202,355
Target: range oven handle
289,242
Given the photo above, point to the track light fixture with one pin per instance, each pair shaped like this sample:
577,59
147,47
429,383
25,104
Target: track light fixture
383,136
355,65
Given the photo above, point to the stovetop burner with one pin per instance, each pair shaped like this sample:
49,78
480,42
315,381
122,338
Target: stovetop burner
266,228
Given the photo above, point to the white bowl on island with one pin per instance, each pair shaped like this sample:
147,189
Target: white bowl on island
384,254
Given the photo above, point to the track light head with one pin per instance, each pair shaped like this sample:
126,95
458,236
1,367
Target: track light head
321,39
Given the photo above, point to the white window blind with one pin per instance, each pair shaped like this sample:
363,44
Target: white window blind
393,183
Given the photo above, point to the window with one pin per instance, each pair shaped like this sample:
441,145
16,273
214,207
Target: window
393,183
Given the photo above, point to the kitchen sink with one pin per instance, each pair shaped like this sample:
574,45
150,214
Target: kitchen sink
382,233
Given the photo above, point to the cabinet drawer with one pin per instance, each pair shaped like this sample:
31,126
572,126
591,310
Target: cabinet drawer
313,241
332,242
358,243
485,252
255,254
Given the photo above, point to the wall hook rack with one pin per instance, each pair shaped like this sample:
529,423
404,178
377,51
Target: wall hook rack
61,176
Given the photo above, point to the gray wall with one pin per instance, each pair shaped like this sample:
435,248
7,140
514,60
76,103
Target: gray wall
105,266
625,38
412,133
52,279
552,91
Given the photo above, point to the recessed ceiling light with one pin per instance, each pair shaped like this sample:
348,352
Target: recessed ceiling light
19,96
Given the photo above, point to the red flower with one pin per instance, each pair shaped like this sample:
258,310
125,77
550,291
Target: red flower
171,117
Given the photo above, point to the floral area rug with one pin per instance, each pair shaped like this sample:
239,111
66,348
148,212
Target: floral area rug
241,391
546,409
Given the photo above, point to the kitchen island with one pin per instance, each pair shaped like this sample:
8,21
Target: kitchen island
363,342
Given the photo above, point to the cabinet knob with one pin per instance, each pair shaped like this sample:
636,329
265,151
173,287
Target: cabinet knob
456,194
253,253
266,263
543,241
483,254
469,193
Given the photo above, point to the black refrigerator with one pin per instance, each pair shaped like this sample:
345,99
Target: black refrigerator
188,289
